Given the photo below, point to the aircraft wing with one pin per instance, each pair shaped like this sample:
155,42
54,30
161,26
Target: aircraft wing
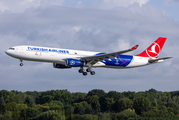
106,56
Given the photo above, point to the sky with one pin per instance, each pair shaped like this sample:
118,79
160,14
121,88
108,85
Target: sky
92,25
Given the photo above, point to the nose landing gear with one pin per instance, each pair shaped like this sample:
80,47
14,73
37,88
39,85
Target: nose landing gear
21,64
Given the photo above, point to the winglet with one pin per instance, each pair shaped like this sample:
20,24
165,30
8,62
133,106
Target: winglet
135,47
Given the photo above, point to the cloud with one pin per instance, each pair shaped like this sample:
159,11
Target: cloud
110,4
22,5
171,2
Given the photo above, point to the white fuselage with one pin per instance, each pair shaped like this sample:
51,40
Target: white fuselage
58,55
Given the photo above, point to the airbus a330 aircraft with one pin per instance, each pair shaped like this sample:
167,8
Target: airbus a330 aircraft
66,58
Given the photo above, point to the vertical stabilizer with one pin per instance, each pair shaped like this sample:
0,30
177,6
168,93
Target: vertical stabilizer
154,50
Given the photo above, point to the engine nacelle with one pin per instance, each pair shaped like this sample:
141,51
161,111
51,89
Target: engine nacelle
60,66
75,63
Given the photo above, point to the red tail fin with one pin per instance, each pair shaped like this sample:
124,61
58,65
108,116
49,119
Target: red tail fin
154,50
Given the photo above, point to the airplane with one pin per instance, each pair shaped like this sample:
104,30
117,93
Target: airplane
67,58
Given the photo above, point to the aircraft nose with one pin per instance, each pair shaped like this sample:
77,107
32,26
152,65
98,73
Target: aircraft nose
7,52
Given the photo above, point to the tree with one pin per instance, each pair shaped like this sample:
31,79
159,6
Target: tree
174,107
160,115
141,104
54,103
84,117
152,90
88,108
98,92
41,108
101,94
68,111
115,95
162,108
82,108
6,116
59,95
123,104
79,108
51,115
29,113
129,94
78,97
15,109
2,104
128,113
109,102
64,96
32,94
28,101
94,102
104,116
44,99
12,106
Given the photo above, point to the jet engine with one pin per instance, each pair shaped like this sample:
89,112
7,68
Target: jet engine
60,66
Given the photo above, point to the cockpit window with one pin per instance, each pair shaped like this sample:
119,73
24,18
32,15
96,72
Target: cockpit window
11,48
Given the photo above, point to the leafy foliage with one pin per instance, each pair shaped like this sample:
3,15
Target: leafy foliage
28,101
50,115
141,104
123,104
2,102
94,105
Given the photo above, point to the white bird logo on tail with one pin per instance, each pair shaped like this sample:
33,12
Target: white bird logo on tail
153,48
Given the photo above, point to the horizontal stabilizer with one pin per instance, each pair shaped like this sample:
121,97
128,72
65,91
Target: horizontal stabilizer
158,60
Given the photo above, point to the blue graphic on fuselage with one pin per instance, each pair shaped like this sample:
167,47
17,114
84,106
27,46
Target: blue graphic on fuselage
47,50
121,60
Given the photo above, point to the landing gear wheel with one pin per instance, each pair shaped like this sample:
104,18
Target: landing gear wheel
84,73
92,72
80,70
21,64
88,70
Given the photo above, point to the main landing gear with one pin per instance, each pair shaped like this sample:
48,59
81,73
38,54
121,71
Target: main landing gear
81,70
21,64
